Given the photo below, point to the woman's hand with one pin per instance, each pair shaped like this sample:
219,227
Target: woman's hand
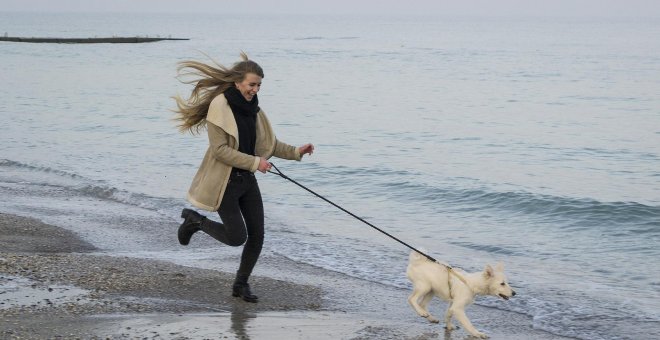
264,165
306,149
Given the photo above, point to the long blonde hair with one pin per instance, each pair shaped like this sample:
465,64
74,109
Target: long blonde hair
210,81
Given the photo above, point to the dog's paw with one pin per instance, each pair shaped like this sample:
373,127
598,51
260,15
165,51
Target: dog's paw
432,319
480,335
450,327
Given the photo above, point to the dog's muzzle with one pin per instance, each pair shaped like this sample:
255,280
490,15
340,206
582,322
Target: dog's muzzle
513,293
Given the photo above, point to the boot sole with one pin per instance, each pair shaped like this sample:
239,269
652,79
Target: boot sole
245,298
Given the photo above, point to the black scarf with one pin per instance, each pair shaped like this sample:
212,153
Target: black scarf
245,114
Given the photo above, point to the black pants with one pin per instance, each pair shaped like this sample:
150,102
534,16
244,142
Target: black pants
242,215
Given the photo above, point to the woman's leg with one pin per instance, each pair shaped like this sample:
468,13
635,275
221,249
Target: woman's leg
232,230
242,214
252,209
249,223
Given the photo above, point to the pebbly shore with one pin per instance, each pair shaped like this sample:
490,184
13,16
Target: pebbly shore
54,285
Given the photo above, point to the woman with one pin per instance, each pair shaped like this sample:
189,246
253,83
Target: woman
241,139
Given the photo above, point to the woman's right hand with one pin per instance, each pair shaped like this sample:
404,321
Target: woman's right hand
264,165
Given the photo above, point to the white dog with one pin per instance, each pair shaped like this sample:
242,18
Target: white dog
433,279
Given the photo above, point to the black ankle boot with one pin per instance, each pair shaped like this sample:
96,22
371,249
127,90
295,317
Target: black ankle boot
242,290
191,224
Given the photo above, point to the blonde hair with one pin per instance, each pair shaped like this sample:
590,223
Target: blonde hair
210,81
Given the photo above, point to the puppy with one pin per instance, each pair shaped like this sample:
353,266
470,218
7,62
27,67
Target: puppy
433,279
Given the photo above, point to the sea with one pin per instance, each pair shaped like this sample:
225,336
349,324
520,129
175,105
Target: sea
534,142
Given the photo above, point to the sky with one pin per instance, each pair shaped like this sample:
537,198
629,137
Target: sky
542,8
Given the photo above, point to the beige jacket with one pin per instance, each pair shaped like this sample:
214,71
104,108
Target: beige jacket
209,184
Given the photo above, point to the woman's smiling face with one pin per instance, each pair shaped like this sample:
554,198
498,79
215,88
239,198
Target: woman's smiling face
249,86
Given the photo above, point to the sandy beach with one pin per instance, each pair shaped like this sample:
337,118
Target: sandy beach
55,285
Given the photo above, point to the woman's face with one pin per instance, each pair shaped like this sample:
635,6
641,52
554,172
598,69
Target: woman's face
249,86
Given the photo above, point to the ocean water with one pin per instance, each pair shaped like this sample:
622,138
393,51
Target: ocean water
535,142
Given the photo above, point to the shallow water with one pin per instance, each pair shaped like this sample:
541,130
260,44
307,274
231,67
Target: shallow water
532,142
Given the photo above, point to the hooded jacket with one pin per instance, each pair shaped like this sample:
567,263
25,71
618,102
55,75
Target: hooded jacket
209,184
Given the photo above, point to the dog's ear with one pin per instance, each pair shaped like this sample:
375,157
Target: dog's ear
499,267
488,271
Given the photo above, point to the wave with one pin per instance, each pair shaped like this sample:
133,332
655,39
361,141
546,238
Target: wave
9,163
75,184
466,195
326,38
549,207
311,38
488,248
568,212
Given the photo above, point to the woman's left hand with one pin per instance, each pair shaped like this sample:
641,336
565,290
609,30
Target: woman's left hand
306,149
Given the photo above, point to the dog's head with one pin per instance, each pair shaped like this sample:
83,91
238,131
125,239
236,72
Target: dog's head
497,282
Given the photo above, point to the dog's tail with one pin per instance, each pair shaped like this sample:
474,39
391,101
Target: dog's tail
415,256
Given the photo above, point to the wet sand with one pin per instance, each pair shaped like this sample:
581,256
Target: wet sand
55,285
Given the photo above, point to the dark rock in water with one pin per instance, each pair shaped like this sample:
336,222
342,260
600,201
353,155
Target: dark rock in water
111,40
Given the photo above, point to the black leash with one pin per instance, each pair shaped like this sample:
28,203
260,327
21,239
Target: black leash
279,173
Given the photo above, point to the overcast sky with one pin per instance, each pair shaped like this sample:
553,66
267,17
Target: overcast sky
599,8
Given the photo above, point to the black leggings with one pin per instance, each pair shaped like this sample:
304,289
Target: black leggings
242,214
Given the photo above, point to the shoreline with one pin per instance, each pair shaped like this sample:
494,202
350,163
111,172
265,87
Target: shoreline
54,284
